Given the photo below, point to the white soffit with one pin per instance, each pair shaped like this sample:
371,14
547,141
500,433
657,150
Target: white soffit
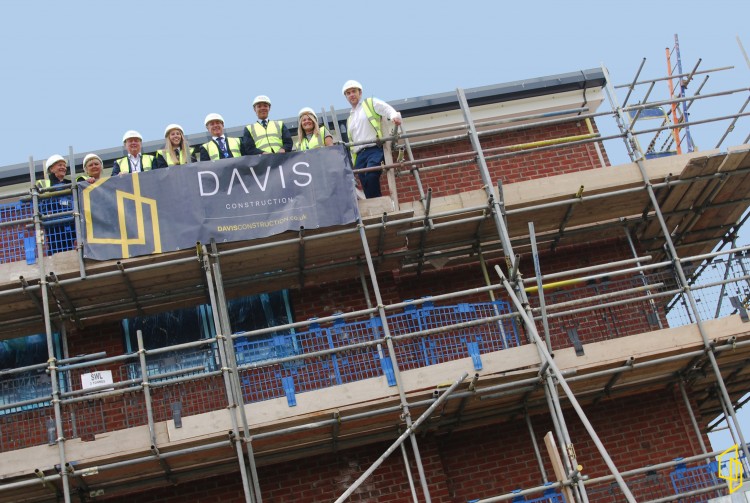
509,109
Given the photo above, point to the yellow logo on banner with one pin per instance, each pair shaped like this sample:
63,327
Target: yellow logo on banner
734,471
124,241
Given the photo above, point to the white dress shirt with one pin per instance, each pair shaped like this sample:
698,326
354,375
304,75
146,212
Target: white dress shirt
135,163
360,128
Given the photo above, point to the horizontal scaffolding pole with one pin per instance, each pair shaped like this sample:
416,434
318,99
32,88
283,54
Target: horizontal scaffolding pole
93,470
600,297
674,76
42,366
634,365
592,268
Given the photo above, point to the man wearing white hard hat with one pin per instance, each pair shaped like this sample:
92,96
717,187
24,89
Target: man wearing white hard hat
265,136
56,169
363,125
59,236
219,146
176,149
135,161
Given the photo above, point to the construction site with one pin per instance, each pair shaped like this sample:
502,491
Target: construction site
517,319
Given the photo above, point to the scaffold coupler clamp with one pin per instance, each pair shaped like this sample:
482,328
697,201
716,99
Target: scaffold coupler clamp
404,412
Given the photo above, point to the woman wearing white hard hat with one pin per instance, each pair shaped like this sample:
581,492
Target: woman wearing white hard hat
176,148
92,167
309,134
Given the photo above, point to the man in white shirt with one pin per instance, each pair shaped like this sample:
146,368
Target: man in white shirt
364,129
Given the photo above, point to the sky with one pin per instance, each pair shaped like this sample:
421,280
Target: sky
81,72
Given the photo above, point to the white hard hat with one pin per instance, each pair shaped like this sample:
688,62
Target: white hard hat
262,99
52,160
213,117
89,157
349,84
131,134
307,110
171,127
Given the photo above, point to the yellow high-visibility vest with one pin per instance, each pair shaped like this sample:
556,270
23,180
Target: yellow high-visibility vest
147,162
373,117
267,139
233,144
315,141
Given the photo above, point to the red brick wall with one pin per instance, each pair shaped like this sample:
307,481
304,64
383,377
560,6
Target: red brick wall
477,463
93,417
453,180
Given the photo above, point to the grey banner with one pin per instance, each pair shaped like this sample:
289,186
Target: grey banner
227,200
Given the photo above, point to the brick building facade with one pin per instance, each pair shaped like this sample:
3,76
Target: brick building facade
467,450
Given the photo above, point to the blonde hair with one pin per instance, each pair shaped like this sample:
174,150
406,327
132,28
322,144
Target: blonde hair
169,149
301,135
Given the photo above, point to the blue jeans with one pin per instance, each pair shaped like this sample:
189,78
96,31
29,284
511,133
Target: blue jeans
367,157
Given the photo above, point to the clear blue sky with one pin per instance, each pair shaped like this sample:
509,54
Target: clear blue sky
81,72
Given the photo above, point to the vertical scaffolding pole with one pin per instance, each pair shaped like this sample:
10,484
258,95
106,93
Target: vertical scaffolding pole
234,373
226,328
76,212
684,284
561,428
692,417
554,369
52,360
390,173
366,291
731,428
675,120
146,388
513,265
394,361
539,286
642,274
407,465
225,371
597,147
408,474
723,288
415,171
683,86
569,457
487,185
488,282
537,454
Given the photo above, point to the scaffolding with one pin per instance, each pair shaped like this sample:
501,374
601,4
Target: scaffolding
388,338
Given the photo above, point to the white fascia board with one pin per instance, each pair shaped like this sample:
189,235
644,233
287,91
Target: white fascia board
509,109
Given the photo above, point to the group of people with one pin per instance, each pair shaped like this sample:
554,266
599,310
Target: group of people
265,136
